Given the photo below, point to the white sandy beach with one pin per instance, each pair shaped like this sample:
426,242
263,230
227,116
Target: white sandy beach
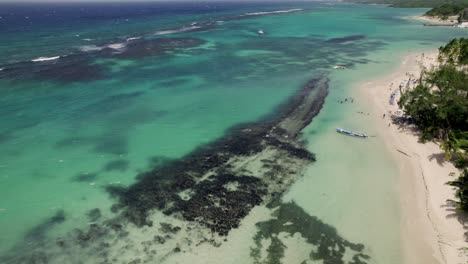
432,231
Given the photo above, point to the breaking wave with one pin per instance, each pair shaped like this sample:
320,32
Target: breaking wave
116,46
134,38
92,48
174,31
89,48
45,59
273,12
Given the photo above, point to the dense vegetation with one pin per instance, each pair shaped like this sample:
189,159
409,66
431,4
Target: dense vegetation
438,105
440,8
462,193
412,3
455,53
446,10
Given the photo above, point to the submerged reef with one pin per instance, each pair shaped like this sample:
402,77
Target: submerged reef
140,48
82,66
346,39
323,241
199,199
258,161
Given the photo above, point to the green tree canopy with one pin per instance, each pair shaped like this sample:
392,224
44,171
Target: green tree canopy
438,105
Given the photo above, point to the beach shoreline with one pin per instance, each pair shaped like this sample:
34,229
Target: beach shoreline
434,21
432,231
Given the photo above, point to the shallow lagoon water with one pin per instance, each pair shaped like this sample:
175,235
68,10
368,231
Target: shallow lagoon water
63,141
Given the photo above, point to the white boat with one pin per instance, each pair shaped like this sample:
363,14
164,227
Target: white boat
261,32
350,133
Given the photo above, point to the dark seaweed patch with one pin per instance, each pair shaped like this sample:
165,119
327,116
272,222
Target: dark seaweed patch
170,83
207,189
329,246
85,177
120,121
115,139
39,232
70,68
111,144
159,187
121,117
197,27
5,137
218,207
68,142
346,39
115,101
151,47
94,215
157,161
168,228
211,204
285,49
116,165
108,105
80,67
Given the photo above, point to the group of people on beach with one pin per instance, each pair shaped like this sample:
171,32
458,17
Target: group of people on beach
392,97
347,100
412,81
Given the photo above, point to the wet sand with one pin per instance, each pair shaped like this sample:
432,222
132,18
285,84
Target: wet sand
432,231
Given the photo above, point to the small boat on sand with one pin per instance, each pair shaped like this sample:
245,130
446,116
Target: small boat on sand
350,133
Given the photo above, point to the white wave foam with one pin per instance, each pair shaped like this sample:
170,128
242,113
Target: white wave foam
273,12
91,48
46,59
135,38
88,39
88,48
174,31
1,69
116,46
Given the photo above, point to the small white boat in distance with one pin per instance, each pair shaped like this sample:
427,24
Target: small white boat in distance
339,67
350,133
261,32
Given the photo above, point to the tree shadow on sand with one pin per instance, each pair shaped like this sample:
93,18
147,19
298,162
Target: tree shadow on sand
453,211
439,157
405,125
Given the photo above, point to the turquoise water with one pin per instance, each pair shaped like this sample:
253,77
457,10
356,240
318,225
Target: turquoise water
74,125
